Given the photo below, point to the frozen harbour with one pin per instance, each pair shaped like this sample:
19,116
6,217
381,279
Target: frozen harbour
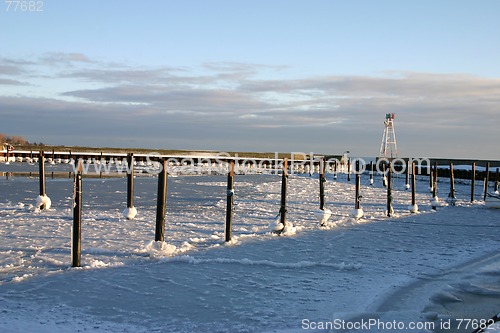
422,268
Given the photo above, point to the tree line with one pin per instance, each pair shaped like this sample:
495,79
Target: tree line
16,140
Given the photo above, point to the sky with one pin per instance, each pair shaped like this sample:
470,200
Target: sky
271,76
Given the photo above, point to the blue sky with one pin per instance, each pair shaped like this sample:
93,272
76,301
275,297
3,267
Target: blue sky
255,75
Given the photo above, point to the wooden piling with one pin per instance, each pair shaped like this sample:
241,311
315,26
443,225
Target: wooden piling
358,186
348,169
161,203
371,172
413,185
473,181
390,210
322,181
76,246
435,181
497,180
434,187
284,185
100,165
486,180
407,175
130,181
41,175
451,195
431,178
230,202
384,172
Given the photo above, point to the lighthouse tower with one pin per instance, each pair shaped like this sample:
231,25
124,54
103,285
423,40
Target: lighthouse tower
388,147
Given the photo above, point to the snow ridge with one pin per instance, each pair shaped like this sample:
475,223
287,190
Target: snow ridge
248,262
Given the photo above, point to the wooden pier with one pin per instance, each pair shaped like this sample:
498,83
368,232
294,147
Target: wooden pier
270,161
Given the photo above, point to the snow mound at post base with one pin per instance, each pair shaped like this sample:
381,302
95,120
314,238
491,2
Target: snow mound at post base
43,200
275,225
357,213
129,213
435,202
286,230
289,229
389,213
451,201
323,215
413,208
160,249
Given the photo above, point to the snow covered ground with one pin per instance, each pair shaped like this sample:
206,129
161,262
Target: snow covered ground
427,268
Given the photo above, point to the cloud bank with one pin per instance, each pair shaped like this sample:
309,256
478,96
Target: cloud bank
72,99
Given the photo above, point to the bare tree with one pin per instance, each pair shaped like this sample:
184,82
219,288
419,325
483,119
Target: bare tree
18,140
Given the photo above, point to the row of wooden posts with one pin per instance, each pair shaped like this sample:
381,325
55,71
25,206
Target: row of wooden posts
162,196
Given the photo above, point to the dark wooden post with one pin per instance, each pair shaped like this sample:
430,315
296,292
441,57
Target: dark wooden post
473,181
497,180
434,187
76,246
486,180
435,180
451,195
390,210
161,203
371,172
322,181
53,156
413,186
431,178
335,169
130,181
284,184
358,186
349,169
384,176
230,202
407,175
100,166
41,175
